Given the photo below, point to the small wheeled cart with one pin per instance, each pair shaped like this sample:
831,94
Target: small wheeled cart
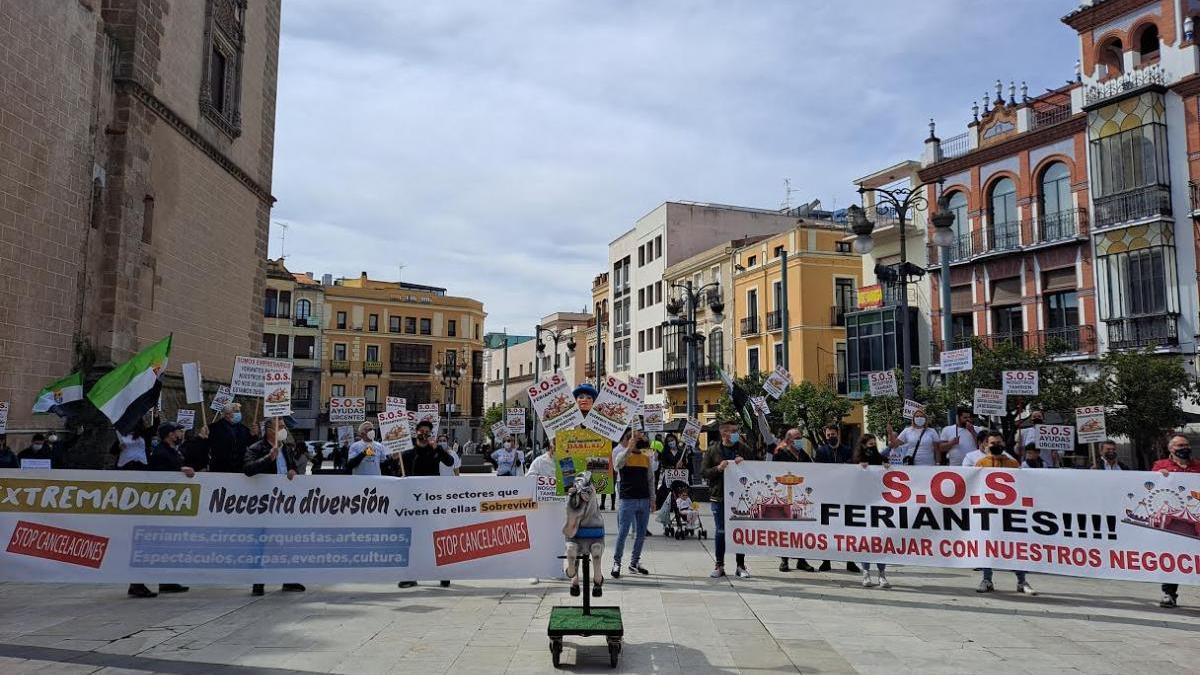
586,621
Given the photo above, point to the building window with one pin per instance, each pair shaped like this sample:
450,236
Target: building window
752,303
844,300
373,353
779,356
411,358
872,344
658,246
962,226
657,292
1003,231
224,42
268,344
337,390
752,360
302,391
452,328
641,298
373,323
641,341
303,310
426,326
1111,58
641,255
1147,43
341,320
271,303
305,347
1130,159
1062,317
339,352
778,252
1008,324
410,325
411,391
752,261
658,337
1136,282
284,310
962,327
371,393
841,247
840,367
716,348
393,324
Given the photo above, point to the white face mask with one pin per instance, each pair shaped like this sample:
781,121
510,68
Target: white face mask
53,438
919,421
281,435
370,434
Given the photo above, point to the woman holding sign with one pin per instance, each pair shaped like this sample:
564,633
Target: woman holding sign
917,443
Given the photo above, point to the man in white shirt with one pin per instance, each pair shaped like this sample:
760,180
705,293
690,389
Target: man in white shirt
453,469
1029,434
366,453
959,440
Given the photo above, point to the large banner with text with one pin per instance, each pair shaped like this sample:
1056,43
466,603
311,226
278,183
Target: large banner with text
1131,525
108,526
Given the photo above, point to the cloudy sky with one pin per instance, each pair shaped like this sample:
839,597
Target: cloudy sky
495,148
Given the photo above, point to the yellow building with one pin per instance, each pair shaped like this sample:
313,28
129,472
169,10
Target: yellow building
822,277
384,338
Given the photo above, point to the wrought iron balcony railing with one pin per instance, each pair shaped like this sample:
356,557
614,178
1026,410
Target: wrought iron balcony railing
750,326
1123,207
1139,332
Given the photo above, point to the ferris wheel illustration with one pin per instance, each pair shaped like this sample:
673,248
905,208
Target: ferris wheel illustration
772,498
1174,510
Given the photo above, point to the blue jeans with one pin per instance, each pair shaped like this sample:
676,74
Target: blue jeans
987,575
882,567
633,513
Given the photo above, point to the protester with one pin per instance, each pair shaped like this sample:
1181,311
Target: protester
228,440
41,448
133,449
302,454
958,441
269,455
365,455
1179,460
339,455
165,455
1027,433
634,465
866,454
508,459
972,458
730,450
454,468
997,458
195,451
671,456
423,460
833,450
542,465
8,458
917,443
790,448
1108,458
1033,458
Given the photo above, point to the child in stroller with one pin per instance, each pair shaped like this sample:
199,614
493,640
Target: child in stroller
682,519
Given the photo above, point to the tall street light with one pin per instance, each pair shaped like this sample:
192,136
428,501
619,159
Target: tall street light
555,336
686,304
902,200
451,372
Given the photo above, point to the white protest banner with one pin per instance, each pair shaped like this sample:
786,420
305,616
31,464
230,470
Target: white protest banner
958,360
277,389
652,417
352,409
672,475
500,431
186,418
345,434
691,433
777,382
910,408
554,405
759,404
193,383
1019,382
392,403
515,420
882,383
3,417
1098,524
428,412
226,528
1090,424
394,432
989,402
1057,437
223,398
614,408
248,375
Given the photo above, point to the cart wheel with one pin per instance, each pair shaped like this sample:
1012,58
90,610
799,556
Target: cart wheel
555,651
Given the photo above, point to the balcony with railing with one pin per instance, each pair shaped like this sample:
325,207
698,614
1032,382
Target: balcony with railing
1057,226
339,366
1004,236
677,376
372,367
1146,202
956,146
1124,84
1060,226
310,321
749,326
1066,341
774,320
1140,332
837,314
302,403
1194,194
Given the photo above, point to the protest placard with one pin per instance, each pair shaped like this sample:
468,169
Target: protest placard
614,408
640,383
192,383
515,420
248,375
1090,424
989,402
910,408
352,409
579,450
223,398
1019,382
3,417
958,360
759,404
500,431
277,389
652,417
186,418
394,403
428,412
882,383
1057,437
777,382
670,476
394,432
554,404
691,433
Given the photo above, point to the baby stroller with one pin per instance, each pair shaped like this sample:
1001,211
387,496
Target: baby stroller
683,519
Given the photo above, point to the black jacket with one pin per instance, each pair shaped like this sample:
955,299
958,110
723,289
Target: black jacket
8,460
227,445
164,458
789,454
258,459
828,454
424,461
713,458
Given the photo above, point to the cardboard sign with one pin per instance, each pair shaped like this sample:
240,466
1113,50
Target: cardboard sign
882,383
958,360
652,417
35,464
515,420
614,409
428,412
989,402
910,408
777,382
759,404
1019,382
277,389
1057,437
186,419
193,383
640,383
248,375
1090,424
691,433
554,404
672,475
223,398
394,432
579,450
3,417
345,434
500,431
352,409
395,403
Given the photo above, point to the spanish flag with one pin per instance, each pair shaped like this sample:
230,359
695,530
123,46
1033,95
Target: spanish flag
132,388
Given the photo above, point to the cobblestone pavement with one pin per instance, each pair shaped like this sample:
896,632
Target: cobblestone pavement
676,621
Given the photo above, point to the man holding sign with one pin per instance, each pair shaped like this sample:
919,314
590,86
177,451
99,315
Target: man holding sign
364,457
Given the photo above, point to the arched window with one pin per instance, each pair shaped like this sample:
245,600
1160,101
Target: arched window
1147,44
1111,58
1002,215
1055,220
716,348
962,226
303,309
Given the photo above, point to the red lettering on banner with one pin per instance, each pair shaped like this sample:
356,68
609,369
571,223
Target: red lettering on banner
54,543
482,540
939,479
897,483
1003,493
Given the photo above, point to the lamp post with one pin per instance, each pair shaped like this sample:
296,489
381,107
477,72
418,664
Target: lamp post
903,201
686,305
451,372
556,336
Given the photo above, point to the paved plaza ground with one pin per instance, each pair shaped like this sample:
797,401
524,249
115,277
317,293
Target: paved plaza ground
677,621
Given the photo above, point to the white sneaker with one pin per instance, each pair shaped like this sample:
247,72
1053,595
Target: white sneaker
1026,589
867,583
743,573
883,581
534,580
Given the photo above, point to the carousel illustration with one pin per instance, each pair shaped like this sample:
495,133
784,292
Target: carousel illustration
1171,510
772,498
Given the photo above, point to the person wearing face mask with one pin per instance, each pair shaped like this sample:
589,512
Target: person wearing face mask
721,456
1178,460
866,455
270,456
916,444
228,440
997,458
423,460
635,466
1033,458
44,448
958,440
508,459
165,455
1027,433
973,457
365,454
833,450
790,448
1108,458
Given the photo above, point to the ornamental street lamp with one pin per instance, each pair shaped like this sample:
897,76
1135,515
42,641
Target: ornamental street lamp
555,336
686,305
450,372
902,200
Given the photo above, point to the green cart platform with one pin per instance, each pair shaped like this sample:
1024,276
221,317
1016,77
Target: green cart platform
586,621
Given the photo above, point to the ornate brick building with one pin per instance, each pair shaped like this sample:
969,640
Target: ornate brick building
136,140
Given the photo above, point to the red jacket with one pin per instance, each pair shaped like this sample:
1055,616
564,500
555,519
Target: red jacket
1170,466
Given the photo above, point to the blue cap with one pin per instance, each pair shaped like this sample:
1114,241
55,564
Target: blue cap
585,389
